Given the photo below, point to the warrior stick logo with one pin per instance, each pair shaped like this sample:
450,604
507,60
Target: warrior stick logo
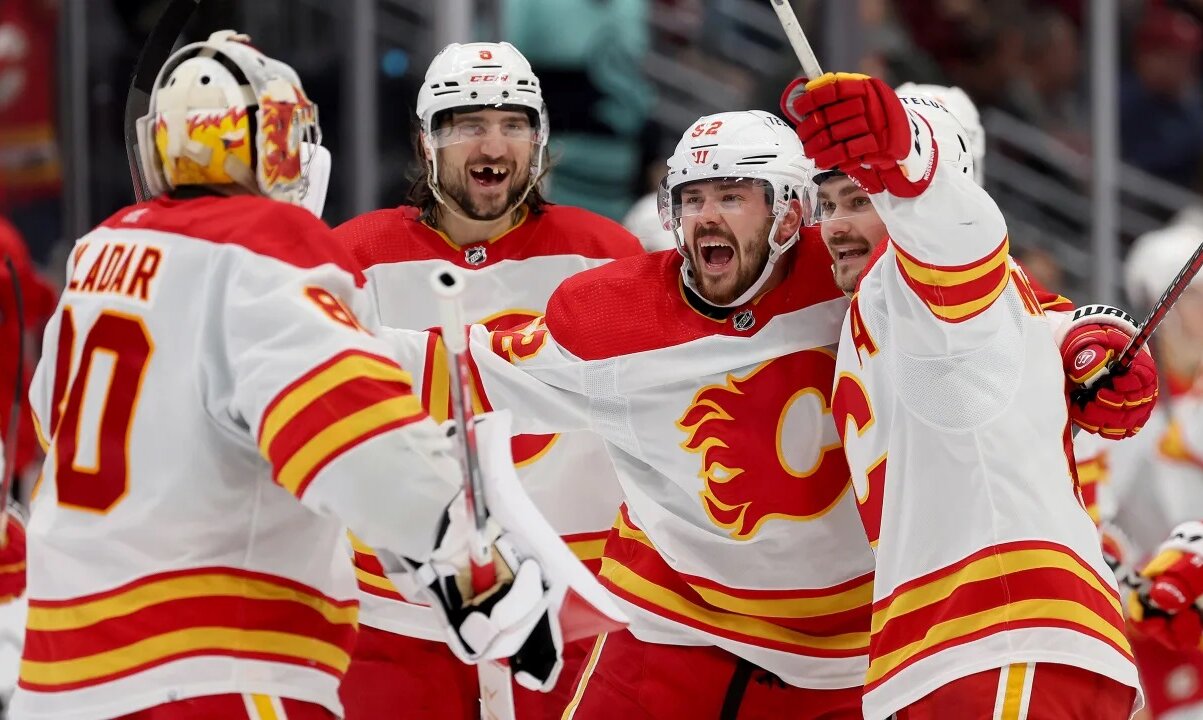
768,447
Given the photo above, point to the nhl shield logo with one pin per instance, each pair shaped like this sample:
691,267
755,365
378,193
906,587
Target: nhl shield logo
476,255
744,320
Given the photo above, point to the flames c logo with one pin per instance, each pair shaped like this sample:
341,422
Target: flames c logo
769,447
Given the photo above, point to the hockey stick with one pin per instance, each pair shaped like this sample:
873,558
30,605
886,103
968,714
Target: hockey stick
797,39
1169,298
8,458
154,54
496,686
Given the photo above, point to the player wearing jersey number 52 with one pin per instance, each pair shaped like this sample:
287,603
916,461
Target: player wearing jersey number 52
215,414
990,593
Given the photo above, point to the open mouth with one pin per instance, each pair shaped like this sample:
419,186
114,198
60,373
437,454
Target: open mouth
850,252
489,175
716,255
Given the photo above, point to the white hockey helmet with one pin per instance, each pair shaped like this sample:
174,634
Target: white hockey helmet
743,145
475,75
223,113
966,113
1155,259
950,136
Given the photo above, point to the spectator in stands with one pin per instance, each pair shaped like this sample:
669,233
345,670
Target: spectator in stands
589,57
1161,109
29,163
1046,92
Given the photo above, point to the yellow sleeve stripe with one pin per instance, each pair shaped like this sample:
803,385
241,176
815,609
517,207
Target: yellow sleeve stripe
295,400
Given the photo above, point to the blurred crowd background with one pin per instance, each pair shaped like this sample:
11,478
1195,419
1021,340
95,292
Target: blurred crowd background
623,78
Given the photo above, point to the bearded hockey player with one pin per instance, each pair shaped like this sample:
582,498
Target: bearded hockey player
990,589
477,204
215,415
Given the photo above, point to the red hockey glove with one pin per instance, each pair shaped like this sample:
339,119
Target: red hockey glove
857,124
1096,336
1166,608
12,559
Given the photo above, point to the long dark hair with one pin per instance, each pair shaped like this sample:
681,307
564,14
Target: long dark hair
422,197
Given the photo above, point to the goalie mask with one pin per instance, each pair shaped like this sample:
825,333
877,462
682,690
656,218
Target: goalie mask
222,113
481,76
751,148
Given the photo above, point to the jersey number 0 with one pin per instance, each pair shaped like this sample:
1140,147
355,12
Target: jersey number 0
91,449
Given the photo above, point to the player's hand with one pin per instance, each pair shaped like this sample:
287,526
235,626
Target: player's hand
12,558
1166,607
856,124
1124,401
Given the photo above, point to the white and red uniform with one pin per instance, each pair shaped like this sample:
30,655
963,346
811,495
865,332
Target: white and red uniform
738,528
569,476
215,417
950,401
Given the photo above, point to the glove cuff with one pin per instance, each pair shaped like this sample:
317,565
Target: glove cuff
1097,314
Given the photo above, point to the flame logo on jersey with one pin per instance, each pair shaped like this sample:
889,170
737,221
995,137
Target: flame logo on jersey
281,127
768,445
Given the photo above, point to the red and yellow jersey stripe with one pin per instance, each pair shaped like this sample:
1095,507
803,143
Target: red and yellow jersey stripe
158,619
955,293
823,622
370,573
334,407
1006,587
1092,474
1173,447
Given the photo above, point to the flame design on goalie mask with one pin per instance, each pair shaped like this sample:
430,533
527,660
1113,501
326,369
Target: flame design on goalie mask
212,139
769,448
282,127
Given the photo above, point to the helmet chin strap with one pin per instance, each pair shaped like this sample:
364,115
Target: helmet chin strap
775,253
432,181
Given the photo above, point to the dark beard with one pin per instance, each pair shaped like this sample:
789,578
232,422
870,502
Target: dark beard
748,271
455,188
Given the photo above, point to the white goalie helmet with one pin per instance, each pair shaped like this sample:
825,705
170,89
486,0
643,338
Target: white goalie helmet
964,110
744,145
480,75
223,113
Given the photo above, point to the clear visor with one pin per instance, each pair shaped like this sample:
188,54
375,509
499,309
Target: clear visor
722,196
832,195
460,127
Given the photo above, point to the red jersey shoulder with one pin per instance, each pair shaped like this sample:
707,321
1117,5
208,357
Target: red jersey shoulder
639,303
567,230
390,235
284,232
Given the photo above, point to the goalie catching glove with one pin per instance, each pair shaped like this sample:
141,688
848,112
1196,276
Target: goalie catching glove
1096,335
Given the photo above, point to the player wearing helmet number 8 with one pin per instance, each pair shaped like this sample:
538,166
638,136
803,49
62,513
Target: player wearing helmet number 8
991,596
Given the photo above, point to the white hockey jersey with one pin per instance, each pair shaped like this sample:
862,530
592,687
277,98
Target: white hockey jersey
738,528
950,401
569,476
206,369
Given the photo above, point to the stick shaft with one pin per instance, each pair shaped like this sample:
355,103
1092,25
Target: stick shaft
797,39
1161,309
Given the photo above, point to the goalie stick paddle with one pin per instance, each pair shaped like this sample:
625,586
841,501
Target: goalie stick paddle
797,39
494,676
8,464
1169,298
154,54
